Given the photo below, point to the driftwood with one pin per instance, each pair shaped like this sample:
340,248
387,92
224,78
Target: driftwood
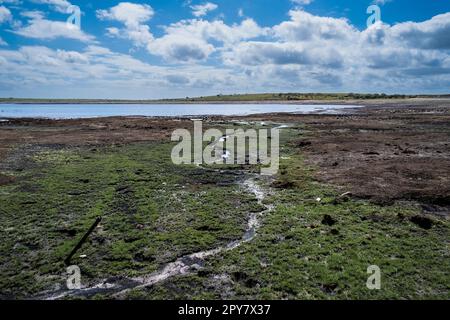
80,243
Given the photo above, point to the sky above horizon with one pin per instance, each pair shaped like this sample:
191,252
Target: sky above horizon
185,48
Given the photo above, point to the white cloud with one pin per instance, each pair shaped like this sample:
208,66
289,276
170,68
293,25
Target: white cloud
201,10
304,26
40,28
58,5
430,34
3,42
303,53
186,41
11,1
176,48
5,15
128,13
98,72
133,16
302,2
319,52
265,53
381,2
190,40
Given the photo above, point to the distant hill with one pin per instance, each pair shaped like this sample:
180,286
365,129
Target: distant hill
257,97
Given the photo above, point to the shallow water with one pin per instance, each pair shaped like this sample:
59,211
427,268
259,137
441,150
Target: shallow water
70,111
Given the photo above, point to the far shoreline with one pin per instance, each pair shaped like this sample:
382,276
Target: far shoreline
358,102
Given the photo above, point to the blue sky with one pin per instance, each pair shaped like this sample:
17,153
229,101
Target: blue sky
176,48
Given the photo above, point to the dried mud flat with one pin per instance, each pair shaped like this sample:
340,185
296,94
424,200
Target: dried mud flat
384,152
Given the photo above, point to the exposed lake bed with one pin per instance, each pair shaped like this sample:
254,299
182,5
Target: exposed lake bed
58,175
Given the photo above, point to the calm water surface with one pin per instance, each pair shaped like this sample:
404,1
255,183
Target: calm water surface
70,111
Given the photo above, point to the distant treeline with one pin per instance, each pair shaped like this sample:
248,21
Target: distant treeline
305,96
235,98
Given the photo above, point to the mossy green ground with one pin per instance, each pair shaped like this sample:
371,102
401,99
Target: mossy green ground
154,212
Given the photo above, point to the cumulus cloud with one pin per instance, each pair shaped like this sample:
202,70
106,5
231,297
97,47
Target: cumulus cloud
305,53
319,51
128,13
175,48
133,17
431,34
305,26
263,53
40,28
201,10
189,40
186,41
98,72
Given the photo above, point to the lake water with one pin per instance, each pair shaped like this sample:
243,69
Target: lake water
70,111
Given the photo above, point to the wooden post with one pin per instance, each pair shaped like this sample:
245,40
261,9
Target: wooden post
80,243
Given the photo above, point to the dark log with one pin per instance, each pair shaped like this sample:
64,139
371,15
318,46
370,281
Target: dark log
80,243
